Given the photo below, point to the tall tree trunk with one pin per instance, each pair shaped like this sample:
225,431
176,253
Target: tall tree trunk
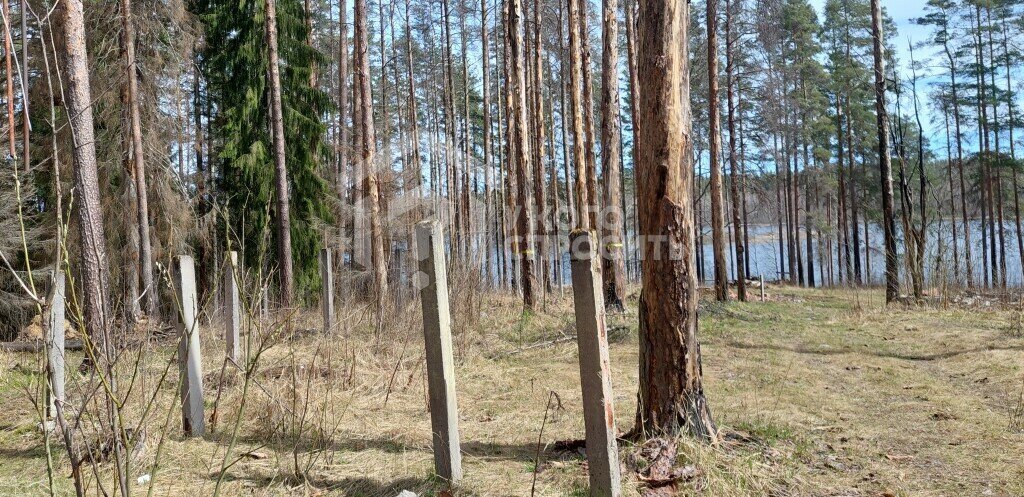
145,262
467,140
583,18
524,243
344,139
995,133
734,176
671,395
570,201
488,199
414,175
284,234
892,282
584,218
368,151
93,242
718,237
854,199
539,190
1013,151
612,266
26,123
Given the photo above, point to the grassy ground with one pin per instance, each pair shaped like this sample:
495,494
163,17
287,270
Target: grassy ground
822,392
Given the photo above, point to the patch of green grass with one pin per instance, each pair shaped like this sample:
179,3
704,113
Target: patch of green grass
767,432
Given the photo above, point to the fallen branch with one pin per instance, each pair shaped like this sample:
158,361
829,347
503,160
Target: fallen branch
38,346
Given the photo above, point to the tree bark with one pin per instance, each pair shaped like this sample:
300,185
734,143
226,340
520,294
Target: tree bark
588,108
734,175
344,139
145,262
523,245
584,218
486,90
892,282
368,152
718,236
284,230
539,190
78,99
671,395
612,267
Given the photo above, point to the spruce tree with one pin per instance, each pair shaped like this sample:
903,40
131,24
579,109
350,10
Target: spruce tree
234,64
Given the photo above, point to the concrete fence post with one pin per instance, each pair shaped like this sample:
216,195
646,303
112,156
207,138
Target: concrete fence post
595,367
190,364
432,282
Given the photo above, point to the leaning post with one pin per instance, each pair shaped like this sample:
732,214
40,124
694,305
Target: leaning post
232,309
190,364
55,343
433,285
327,289
595,366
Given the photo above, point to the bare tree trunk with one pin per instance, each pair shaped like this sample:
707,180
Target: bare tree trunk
588,108
284,230
734,175
521,153
344,139
368,151
145,261
488,199
671,395
718,236
612,267
584,219
539,193
569,197
892,282
26,123
87,190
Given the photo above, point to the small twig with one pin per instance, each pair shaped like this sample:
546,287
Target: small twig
29,293
540,438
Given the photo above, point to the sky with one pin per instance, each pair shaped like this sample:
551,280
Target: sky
903,13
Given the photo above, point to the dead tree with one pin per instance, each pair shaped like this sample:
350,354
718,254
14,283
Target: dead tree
612,265
671,395
368,149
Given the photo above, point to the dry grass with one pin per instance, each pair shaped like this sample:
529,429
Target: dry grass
821,392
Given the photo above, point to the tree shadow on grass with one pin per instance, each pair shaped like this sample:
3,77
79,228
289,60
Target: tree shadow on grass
884,354
36,451
354,485
488,451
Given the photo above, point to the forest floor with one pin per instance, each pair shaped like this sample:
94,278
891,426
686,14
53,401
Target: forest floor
820,393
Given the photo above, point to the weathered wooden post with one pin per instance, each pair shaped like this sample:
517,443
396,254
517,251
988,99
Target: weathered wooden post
433,285
190,365
232,310
595,367
55,343
760,277
327,289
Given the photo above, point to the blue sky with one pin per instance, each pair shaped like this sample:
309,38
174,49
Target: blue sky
903,12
